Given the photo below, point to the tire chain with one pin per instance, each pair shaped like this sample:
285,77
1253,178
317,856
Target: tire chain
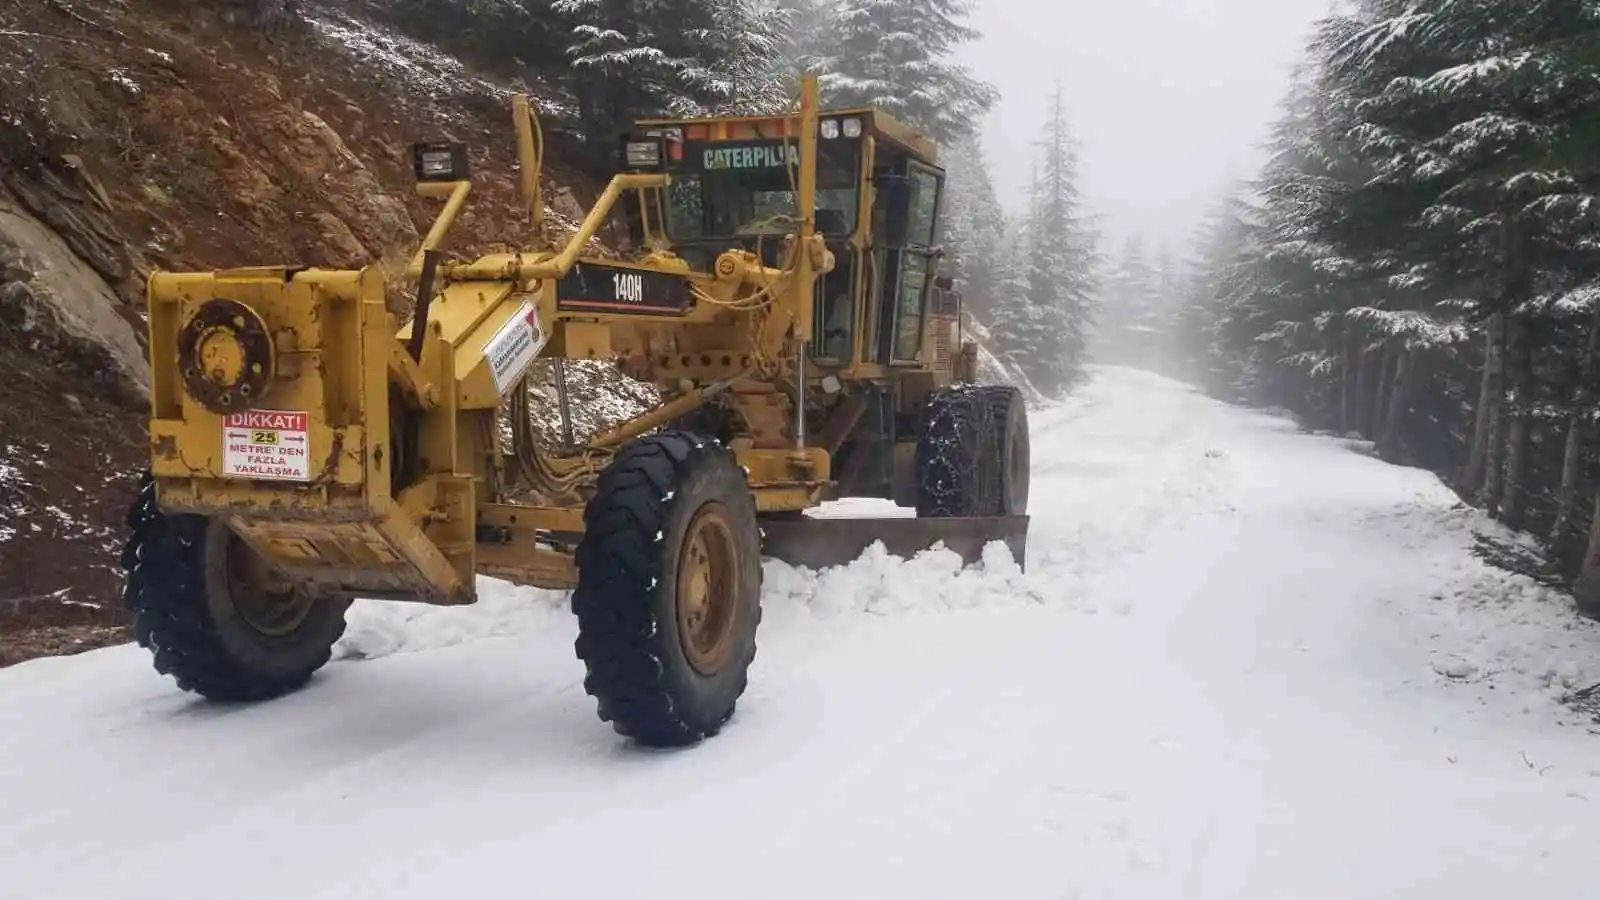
953,478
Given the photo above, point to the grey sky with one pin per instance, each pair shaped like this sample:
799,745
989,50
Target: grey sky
1170,99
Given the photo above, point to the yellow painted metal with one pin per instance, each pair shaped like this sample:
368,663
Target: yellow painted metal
585,340
783,467
537,518
455,193
787,497
337,529
528,566
519,267
802,299
406,490
530,152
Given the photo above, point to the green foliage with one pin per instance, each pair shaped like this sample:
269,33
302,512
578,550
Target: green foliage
1434,167
1047,304
896,55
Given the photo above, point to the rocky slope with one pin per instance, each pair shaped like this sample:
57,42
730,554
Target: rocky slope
138,135
158,134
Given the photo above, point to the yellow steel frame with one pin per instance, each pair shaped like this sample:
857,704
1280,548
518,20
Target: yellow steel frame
373,411
341,361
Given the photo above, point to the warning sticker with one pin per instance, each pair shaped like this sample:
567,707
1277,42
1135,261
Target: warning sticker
266,444
514,347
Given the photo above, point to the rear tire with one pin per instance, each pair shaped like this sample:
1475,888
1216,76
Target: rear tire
1010,460
952,448
973,453
216,634
669,589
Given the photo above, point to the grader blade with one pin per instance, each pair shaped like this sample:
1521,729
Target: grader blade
817,543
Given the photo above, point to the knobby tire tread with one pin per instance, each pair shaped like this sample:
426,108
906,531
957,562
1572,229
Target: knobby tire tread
620,565
165,584
951,454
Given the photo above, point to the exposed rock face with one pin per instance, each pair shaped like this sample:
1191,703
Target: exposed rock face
61,308
189,135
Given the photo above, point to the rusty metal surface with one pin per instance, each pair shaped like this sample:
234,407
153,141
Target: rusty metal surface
821,543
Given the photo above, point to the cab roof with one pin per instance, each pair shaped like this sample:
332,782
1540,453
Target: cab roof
875,122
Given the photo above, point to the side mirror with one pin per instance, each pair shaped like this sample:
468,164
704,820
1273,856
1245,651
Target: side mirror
894,197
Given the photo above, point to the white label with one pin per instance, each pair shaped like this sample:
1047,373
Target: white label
266,444
515,346
629,286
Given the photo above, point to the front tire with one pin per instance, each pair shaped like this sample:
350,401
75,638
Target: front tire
203,609
952,451
973,453
1010,459
669,589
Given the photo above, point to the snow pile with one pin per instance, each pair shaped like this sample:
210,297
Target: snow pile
1294,706
1497,629
881,584
378,629
992,369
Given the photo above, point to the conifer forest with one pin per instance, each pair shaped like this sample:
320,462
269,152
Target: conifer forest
411,507
1415,264
1029,275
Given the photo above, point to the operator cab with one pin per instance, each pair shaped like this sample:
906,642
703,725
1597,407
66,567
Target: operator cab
733,184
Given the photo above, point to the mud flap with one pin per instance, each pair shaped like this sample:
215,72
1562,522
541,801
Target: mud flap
822,543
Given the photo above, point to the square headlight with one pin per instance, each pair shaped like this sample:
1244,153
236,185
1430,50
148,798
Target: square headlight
830,128
852,127
439,161
642,154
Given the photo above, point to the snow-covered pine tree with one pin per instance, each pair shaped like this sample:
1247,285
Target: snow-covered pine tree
1166,308
808,40
1218,246
1060,264
973,227
1131,308
1427,220
1479,114
685,57
1018,328
896,55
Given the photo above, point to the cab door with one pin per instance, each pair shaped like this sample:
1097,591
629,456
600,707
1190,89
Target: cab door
910,270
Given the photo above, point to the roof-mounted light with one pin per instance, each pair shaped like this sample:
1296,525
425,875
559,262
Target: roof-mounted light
643,154
439,161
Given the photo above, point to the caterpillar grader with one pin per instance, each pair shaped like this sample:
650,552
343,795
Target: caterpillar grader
308,450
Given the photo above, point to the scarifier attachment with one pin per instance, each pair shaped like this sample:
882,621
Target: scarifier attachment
271,412
820,543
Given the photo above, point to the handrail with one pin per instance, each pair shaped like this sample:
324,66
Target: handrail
541,265
441,225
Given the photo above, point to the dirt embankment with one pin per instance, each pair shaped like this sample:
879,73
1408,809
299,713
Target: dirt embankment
159,134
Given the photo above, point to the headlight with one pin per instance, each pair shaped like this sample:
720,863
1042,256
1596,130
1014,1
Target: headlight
643,154
830,128
852,128
439,161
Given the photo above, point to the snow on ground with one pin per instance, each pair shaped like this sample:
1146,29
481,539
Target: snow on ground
1243,662
418,65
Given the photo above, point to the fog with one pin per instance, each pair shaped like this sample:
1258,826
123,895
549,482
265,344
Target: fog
1170,99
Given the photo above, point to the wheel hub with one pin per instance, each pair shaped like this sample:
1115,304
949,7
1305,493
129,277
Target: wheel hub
227,356
271,609
707,589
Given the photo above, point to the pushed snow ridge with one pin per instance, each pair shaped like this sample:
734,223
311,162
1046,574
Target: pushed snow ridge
1244,662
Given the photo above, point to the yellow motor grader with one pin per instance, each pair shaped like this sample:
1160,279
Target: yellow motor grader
786,303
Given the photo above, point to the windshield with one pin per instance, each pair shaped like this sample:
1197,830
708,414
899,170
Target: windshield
733,189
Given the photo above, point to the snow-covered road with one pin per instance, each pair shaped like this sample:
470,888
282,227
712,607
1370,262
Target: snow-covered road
1244,662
